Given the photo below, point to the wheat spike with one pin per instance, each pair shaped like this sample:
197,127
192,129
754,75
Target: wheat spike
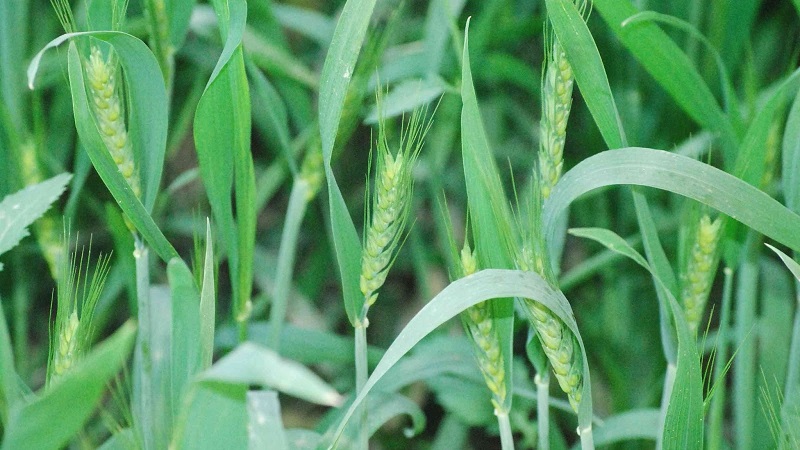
477,320
699,275
390,205
107,106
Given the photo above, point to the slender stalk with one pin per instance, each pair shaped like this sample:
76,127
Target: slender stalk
22,308
744,365
362,373
587,437
717,412
506,438
298,200
143,369
542,381
669,383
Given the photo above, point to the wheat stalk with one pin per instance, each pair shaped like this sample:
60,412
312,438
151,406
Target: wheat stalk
700,269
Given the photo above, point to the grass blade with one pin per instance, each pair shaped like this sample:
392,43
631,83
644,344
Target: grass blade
681,175
489,210
42,422
208,299
265,427
19,210
337,73
185,345
8,375
222,130
670,67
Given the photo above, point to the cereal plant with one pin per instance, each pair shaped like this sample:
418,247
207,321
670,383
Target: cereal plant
386,224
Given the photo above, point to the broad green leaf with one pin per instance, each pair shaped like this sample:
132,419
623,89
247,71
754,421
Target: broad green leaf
670,67
179,12
264,424
151,397
250,364
304,345
683,424
790,153
185,345
98,153
214,417
208,300
20,209
10,394
460,295
222,139
629,425
490,214
337,72
42,423
382,407
574,36
681,175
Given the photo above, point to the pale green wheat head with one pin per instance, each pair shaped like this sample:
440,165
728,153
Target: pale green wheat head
389,204
701,266
477,320
77,298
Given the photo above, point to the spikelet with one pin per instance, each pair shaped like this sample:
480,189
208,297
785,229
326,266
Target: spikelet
700,268
108,110
158,28
477,320
390,205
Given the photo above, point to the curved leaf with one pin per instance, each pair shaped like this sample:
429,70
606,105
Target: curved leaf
460,295
150,167
670,67
681,175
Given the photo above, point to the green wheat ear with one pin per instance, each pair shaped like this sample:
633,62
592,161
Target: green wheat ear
390,203
558,342
477,321
77,297
701,267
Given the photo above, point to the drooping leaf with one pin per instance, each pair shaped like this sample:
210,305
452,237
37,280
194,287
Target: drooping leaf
20,209
460,295
681,175
250,364
185,345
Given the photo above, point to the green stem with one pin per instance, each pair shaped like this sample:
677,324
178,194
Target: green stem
717,413
542,381
506,438
744,365
20,319
362,373
298,200
158,28
143,389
